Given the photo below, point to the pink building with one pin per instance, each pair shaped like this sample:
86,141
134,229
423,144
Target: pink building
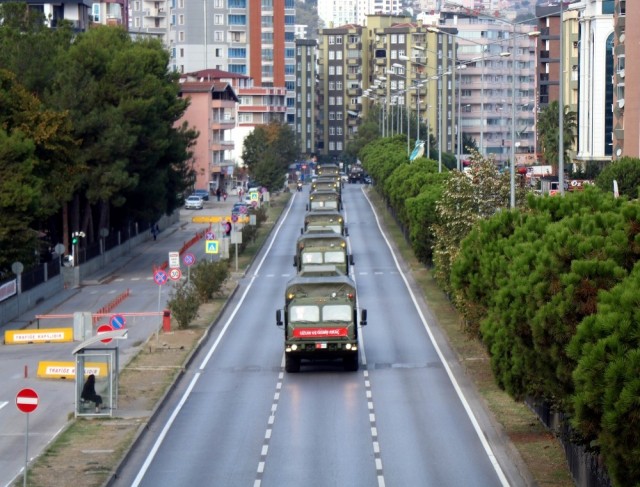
212,112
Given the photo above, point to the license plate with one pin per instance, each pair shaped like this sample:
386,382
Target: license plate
321,345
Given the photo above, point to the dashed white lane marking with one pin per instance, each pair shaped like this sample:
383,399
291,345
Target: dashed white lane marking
267,435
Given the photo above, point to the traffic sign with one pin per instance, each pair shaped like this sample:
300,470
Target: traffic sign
27,400
160,277
104,329
175,274
117,322
234,218
209,235
189,259
254,196
212,247
174,260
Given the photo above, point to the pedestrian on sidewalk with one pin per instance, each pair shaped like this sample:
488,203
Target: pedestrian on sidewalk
218,193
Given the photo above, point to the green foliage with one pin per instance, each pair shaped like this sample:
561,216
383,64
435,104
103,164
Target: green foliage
467,197
184,303
267,153
548,131
208,278
37,172
606,402
626,172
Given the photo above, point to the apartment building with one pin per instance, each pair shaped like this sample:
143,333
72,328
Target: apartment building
255,39
343,12
78,12
489,52
306,98
212,112
407,54
150,19
626,98
341,70
596,75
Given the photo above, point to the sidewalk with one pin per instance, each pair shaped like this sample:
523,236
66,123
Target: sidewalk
26,319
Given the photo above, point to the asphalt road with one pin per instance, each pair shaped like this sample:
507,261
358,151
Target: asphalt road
18,364
409,417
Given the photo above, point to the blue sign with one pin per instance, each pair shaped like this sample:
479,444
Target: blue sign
188,259
117,322
160,277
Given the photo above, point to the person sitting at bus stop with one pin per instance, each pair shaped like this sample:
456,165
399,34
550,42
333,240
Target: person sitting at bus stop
89,392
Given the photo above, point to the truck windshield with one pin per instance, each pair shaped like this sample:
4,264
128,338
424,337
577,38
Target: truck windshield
304,314
334,257
336,312
316,205
312,258
320,227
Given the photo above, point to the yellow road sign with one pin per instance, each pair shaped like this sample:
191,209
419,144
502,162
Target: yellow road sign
212,247
45,335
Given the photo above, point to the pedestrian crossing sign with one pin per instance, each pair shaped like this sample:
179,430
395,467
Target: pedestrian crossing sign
212,247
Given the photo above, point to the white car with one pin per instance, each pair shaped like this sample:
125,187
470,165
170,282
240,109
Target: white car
193,203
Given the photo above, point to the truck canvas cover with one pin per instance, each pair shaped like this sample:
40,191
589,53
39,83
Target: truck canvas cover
318,287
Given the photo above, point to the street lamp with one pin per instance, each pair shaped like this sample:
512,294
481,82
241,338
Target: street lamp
458,125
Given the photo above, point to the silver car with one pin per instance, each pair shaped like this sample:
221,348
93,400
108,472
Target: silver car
193,203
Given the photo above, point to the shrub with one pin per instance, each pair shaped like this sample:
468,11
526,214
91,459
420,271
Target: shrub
208,278
184,303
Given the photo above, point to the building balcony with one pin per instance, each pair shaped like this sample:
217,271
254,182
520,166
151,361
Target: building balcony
354,61
353,76
381,61
222,123
222,103
221,145
354,91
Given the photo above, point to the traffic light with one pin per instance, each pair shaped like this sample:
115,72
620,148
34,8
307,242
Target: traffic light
74,240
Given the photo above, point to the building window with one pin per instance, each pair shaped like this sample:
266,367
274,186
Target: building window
339,116
289,19
338,40
218,36
339,145
332,70
332,100
338,55
267,37
240,52
339,101
267,21
332,40
332,85
332,115
339,70
237,20
181,36
332,131
338,85
218,19
219,4
332,55
338,130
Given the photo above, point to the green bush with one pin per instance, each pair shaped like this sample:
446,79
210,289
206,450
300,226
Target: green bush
184,303
208,278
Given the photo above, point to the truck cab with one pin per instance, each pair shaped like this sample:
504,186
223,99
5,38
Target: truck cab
324,200
321,249
320,321
324,221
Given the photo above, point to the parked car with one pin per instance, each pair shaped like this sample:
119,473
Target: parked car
193,202
203,193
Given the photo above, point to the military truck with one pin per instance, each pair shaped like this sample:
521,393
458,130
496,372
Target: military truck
356,174
320,321
324,200
327,169
327,184
324,221
319,249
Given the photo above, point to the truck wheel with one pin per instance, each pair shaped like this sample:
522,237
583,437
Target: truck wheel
351,364
291,364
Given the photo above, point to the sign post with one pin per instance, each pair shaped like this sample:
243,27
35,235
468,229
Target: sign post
160,277
189,259
27,402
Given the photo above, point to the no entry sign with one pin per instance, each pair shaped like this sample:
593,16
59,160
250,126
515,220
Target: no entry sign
104,329
27,400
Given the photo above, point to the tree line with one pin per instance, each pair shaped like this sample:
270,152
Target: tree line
88,134
550,288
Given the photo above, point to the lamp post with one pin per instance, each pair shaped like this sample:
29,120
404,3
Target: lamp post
561,106
459,155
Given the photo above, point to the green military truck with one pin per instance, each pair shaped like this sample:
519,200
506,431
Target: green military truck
320,321
324,200
324,221
327,170
327,184
321,249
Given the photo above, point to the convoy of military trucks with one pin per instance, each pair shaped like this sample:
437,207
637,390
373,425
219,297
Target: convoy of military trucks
320,314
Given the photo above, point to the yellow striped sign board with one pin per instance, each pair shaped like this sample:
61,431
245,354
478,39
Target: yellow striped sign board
218,219
67,370
46,335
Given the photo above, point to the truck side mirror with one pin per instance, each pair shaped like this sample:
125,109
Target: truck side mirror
363,317
278,317
301,230
346,232
351,259
295,261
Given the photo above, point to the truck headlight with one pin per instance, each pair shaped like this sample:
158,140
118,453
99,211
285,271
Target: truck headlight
294,347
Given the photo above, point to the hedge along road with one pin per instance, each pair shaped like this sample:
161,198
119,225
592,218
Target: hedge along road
405,419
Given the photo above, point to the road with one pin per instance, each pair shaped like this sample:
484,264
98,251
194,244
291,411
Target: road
409,417
56,397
